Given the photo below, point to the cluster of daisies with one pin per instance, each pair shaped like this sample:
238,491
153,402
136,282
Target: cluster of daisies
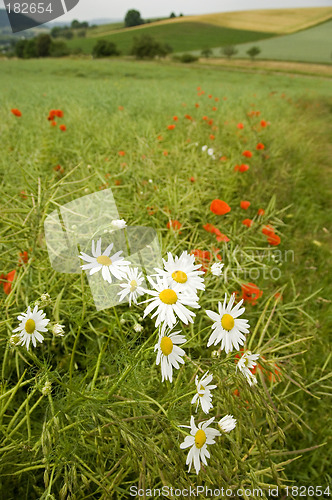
173,297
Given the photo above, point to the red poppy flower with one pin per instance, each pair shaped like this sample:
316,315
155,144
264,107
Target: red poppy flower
171,127
53,123
58,168
205,118
214,108
245,205
260,146
160,138
268,230
120,108
216,99
210,96
118,182
152,210
212,137
23,258
174,224
16,112
210,228
240,125
247,222
122,153
241,168
263,123
251,293
188,117
23,195
274,239
58,113
210,122
63,128
192,179
261,211
7,281
247,154
196,105
175,118
219,207
165,153
278,296
223,158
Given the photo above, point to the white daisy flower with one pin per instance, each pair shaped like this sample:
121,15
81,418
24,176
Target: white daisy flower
203,394
183,272
32,323
210,152
199,438
227,327
245,364
115,264
216,268
204,148
58,330
169,303
169,353
132,287
227,423
118,224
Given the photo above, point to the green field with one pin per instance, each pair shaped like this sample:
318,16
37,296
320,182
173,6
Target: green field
180,36
86,415
310,45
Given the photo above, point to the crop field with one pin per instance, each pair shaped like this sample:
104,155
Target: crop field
230,169
310,45
182,37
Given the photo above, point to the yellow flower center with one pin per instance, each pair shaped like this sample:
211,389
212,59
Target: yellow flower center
201,388
227,322
104,261
246,361
30,326
200,438
166,346
168,296
133,285
179,277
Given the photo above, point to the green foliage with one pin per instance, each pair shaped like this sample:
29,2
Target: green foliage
133,18
43,45
229,51
78,25
103,48
172,15
253,52
59,49
187,58
206,52
87,415
146,47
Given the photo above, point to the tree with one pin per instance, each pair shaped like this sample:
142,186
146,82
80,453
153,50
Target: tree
20,48
172,15
253,52
146,47
59,49
43,45
229,51
133,18
206,53
56,32
103,48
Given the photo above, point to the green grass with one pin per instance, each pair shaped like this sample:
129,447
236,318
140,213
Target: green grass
109,422
310,45
181,37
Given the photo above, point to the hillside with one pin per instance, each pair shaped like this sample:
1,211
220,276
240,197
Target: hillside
185,36
310,45
190,33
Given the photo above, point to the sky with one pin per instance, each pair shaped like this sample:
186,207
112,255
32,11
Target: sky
88,9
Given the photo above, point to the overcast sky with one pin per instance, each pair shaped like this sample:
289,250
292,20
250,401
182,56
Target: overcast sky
94,9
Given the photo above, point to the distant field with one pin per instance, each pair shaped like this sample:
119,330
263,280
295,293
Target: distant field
279,21
311,45
182,37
